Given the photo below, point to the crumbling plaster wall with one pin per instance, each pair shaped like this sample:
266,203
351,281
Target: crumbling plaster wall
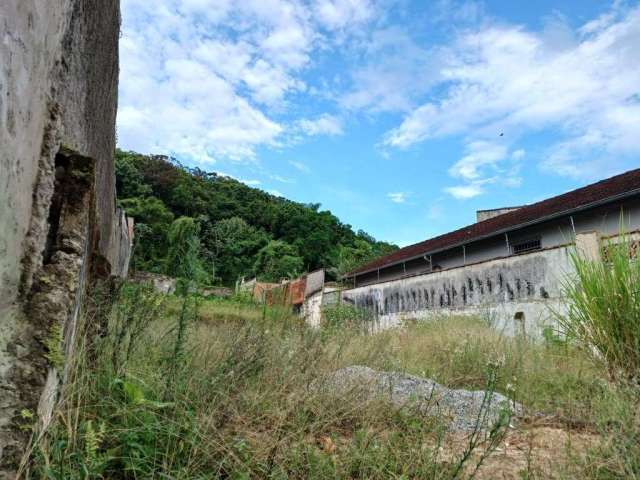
58,100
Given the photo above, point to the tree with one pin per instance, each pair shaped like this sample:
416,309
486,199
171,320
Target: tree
231,246
278,260
129,180
152,222
183,260
236,222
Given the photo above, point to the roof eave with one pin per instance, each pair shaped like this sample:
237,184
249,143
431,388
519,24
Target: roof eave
543,219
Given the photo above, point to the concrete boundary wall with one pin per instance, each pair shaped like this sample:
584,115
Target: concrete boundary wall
516,294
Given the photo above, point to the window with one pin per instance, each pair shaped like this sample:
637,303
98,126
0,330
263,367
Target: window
526,246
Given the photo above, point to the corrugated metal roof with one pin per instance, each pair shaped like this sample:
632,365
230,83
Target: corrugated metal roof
596,193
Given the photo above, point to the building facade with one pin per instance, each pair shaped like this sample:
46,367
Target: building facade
508,268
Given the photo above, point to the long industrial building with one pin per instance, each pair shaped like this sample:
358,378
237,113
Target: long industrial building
507,267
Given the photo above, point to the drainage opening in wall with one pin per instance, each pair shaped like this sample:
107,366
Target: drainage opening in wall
520,323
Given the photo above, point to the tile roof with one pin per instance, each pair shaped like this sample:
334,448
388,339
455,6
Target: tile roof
595,193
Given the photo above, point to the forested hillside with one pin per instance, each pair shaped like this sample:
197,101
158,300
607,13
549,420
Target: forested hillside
242,231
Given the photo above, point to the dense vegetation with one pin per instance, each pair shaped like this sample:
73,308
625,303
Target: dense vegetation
243,231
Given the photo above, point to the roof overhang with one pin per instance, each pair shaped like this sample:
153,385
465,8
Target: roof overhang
502,231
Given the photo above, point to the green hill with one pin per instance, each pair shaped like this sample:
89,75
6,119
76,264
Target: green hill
243,231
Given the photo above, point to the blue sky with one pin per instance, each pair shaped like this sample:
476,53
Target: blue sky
401,117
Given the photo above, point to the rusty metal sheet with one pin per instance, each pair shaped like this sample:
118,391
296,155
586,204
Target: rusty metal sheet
296,289
261,291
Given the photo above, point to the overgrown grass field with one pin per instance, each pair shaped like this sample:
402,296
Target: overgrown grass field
190,388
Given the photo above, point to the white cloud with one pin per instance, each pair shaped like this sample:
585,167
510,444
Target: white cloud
182,80
301,167
585,84
480,154
210,79
485,163
276,193
281,179
398,197
323,125
337,14
251,183
518,154
395,72
464,192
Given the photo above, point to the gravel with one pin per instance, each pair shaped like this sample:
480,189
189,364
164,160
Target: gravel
460,409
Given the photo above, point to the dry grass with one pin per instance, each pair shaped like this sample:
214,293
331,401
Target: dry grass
239,405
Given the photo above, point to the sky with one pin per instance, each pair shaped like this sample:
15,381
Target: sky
401,117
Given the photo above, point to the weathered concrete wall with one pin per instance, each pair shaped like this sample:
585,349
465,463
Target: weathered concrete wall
312,309
497,290
161,283
59,227
517,294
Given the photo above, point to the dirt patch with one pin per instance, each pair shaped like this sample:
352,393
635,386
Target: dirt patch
536,452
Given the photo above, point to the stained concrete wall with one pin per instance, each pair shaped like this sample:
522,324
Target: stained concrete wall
516,294
495,289
59,226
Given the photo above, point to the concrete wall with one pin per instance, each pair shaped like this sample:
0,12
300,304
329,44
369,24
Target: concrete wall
59,227
482,215
516,294
496,290
312,309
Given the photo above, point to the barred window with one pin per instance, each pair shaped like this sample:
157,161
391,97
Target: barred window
526,246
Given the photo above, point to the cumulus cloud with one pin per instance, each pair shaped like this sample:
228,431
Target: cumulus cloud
582,83
210,79
323,125
464,192
398,197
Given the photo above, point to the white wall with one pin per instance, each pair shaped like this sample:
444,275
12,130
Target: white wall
495,289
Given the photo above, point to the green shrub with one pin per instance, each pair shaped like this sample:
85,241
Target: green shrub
345,316
603,312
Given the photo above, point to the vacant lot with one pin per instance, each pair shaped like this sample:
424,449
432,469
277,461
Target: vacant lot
205,389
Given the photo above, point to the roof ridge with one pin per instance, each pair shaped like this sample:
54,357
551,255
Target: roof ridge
582,196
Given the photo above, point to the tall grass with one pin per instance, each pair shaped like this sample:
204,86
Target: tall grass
604,309
240,406
224,390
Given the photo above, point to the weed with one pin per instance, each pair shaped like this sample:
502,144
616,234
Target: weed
53,343
604,309
240,402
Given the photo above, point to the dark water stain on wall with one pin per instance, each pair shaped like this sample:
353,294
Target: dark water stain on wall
495,285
